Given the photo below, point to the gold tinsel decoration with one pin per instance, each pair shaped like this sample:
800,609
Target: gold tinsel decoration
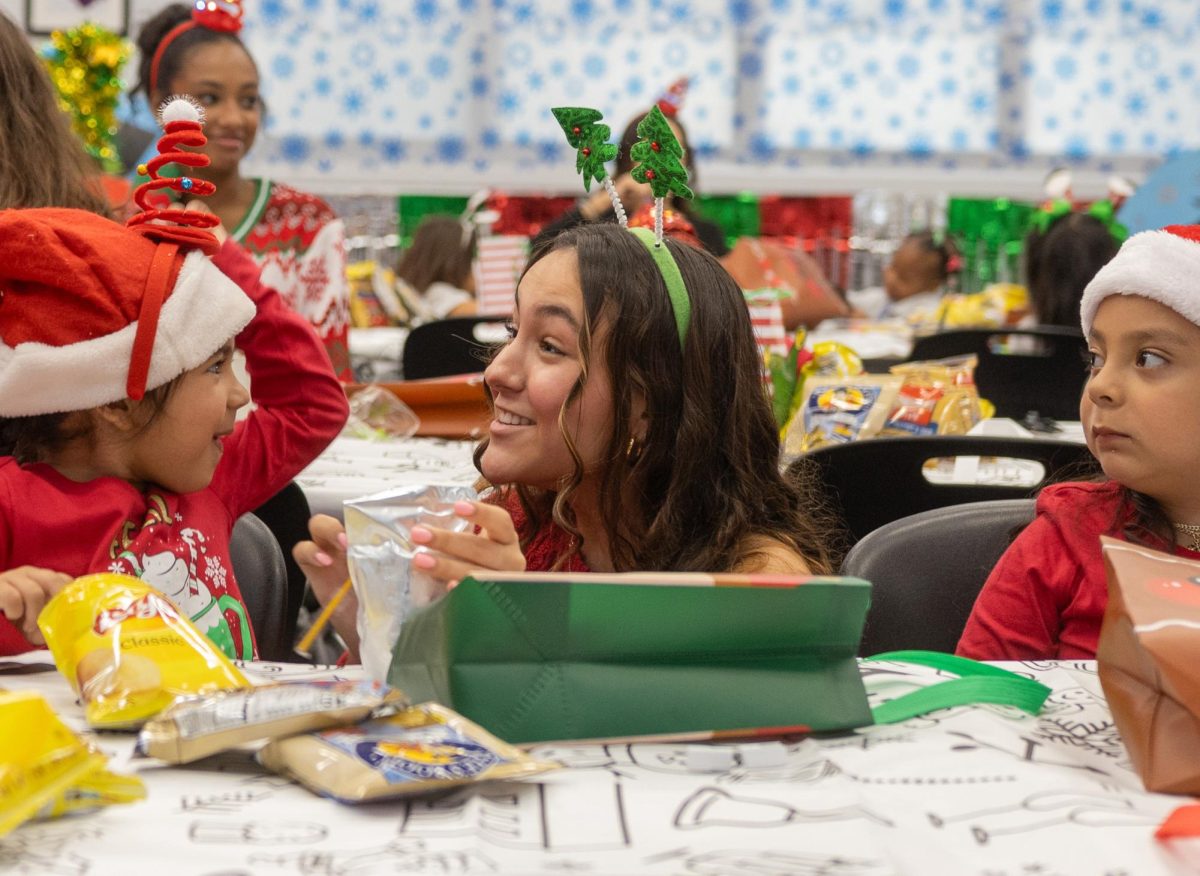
85,64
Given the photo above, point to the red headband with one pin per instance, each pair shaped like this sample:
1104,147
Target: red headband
219,15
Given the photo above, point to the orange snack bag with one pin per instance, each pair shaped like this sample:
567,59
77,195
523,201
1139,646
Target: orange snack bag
127,651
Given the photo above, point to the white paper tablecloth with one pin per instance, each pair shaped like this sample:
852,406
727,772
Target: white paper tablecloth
971,790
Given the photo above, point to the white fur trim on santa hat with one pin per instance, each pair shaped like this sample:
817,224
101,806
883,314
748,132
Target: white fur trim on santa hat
1158,265
204,310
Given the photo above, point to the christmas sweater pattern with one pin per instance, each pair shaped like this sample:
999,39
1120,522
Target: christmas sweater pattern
300,245
175,559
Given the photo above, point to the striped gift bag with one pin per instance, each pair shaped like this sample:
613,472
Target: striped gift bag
498,265
766,317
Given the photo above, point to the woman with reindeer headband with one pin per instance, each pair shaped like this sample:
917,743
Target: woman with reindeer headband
630,428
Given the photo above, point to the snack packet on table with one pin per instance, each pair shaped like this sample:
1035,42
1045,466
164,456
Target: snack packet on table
46,770
199,726
128,651
840,409
377,414
380,551
423,748
937,397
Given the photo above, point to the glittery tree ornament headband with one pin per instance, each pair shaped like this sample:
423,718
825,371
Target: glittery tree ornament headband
585,134
660,163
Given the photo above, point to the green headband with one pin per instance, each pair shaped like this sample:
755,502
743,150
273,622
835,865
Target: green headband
681,304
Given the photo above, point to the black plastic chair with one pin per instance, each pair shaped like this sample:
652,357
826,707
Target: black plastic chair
871,483
1020,370
287,514
461,345
927,570
258,566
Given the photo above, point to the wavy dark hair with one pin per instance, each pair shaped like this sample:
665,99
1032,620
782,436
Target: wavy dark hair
169,65
1060,263
42,162
438,254
707,483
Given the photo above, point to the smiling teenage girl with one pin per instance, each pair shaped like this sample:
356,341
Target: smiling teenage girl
294,236
630,430
1141,418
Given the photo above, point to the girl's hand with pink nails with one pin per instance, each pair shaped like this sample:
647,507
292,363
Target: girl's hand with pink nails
450,556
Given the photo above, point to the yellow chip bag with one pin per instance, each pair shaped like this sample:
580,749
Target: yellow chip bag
127,651
46,770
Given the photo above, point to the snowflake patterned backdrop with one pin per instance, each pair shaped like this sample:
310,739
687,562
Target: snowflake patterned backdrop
787,95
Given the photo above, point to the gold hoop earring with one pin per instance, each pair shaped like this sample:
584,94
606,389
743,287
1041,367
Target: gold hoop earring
633,451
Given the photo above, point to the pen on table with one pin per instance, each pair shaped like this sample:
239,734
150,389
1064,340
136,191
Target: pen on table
323,617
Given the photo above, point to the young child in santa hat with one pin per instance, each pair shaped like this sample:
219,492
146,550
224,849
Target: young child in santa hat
118,404
1141,419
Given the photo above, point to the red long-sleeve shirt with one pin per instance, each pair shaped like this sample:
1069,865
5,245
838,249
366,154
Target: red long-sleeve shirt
180,543
1045,599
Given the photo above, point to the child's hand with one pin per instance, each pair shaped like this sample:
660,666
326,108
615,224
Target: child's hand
323,559
24,591
449,556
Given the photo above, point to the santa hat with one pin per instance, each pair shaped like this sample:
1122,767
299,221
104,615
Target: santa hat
671,100
1159,265
92,312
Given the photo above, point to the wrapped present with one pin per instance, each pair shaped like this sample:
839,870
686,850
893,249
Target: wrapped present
767,264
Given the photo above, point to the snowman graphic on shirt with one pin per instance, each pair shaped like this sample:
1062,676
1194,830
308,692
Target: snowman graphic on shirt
177,563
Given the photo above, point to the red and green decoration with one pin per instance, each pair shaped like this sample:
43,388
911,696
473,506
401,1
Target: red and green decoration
584,132
660,163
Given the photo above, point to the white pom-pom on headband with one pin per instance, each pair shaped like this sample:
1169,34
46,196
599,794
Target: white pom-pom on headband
1163,266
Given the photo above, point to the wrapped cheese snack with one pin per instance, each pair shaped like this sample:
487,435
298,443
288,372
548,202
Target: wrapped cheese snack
420,749
199,726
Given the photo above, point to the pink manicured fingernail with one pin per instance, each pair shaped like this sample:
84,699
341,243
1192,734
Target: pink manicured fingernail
322,559
342,540
421,535
464,509
424,560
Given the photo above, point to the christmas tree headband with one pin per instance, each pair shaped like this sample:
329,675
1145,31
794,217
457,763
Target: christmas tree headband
660,165
224,16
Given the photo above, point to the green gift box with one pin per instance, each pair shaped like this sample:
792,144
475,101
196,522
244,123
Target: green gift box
552,657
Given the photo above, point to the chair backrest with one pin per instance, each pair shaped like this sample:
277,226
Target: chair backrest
1020,370
927,569
871,483
258,566
460,345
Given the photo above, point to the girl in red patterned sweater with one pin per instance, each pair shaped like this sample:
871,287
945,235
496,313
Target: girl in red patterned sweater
295,237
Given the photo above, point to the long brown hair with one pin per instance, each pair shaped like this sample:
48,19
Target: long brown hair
42,162
707,482
439,253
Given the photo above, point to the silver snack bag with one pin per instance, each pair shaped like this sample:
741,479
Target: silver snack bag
380,551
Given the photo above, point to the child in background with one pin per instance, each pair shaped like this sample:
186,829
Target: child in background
294,236
1141,418
438,269
626,435
117,412
914,280
1061,260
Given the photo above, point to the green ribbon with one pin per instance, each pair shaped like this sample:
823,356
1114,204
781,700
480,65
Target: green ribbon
1048,215
681,304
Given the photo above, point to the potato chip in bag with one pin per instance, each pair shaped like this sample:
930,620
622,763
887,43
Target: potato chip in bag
419,749
128,651
46,770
